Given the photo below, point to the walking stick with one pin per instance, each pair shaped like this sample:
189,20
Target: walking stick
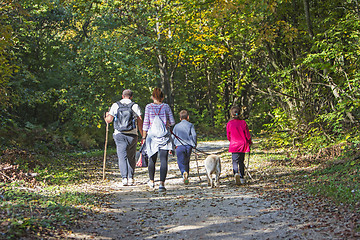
197,165
106,140
247,168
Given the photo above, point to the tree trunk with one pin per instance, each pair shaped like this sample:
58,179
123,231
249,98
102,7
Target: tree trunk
165,79
308,19
210,102
163,68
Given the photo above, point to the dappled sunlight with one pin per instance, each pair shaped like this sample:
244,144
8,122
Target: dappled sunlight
196,211
193,212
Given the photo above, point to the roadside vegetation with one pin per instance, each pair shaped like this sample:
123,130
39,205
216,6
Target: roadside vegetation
41,195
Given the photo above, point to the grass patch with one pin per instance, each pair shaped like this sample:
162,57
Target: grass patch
332,173
71,168
339,181
47,207
92,153
41,213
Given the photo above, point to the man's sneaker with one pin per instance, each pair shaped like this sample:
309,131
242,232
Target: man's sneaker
131,181
186,178
237,179
242,180
125,181
162,188
151,184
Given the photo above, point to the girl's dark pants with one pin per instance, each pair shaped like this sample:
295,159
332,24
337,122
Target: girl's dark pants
238,163
163,155
183,158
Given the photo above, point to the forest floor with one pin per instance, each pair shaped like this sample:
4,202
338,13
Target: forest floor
264,208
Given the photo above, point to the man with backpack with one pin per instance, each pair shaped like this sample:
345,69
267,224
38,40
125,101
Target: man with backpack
127,122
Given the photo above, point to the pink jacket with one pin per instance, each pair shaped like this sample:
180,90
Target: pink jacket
239,136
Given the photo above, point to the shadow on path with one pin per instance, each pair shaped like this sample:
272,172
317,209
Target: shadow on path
194,211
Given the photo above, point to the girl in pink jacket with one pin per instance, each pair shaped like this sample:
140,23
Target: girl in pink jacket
240,140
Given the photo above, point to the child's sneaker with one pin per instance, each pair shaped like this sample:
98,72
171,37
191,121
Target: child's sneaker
186,178
162,188
242,181
237,179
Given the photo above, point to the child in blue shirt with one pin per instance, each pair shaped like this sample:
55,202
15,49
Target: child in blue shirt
185,140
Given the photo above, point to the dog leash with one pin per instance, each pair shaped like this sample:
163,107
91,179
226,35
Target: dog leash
196,154
182,143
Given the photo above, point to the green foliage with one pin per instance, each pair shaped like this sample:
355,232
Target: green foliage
64,63
340,180
7,67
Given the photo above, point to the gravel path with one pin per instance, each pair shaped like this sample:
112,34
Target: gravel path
194,211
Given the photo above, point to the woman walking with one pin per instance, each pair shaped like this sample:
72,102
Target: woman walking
157,120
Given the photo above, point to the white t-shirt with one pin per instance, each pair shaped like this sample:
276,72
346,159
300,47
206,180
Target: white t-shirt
135,108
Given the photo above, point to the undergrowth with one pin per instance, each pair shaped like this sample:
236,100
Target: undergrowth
331,173
329,177
40,213
339,179
47,202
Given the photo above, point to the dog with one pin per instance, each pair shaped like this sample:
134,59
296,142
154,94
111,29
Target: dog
213,166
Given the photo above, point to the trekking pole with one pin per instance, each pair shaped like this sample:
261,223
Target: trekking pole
197,165
247,168
106,140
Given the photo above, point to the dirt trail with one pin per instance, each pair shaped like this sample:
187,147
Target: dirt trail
194,211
